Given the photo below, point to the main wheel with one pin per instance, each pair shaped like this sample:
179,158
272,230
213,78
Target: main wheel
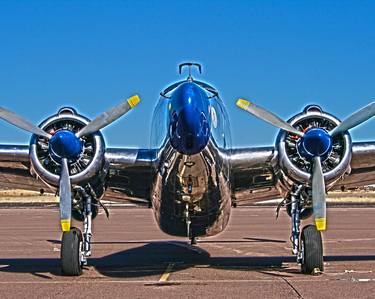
312,250
71,246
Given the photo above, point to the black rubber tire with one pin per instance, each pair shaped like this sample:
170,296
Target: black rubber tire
70,252
311,241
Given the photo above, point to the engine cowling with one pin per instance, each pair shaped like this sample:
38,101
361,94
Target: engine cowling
86,166
293,168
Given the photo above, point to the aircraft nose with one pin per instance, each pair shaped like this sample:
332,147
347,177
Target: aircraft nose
189,131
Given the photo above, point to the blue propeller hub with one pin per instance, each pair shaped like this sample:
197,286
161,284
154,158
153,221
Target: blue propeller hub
315,143
65,144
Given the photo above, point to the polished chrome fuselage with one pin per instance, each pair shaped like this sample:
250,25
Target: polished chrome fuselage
192,188
191,192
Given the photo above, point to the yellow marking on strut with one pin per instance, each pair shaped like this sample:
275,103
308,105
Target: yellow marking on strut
134,100
243,104
65,225
166,273
320,224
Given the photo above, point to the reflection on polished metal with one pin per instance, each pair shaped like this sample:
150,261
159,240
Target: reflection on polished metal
14,153
195,197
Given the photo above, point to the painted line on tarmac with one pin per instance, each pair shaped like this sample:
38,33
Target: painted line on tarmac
166,273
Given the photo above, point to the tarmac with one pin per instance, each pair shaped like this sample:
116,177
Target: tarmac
132,258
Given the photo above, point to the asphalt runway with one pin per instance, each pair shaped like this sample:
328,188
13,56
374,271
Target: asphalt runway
133,259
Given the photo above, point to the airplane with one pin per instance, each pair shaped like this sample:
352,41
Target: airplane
191,175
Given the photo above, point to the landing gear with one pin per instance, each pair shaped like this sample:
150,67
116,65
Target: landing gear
307,245
80,197
75,246
71,252
87,232
189,230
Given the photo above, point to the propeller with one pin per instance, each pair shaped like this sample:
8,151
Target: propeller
314,144
22,123
65,191
319,194
355,119
267,116
65,147
109,116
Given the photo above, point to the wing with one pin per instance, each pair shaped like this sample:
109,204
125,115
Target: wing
130,172
254,179
362,167
15,169
253,176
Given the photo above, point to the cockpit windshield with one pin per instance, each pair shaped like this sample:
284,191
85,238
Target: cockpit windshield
220,127
159,124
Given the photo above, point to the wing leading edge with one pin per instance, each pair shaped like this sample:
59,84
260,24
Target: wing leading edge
131,171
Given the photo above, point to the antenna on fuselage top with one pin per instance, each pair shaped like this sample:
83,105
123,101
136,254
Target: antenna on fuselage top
189,65
206,86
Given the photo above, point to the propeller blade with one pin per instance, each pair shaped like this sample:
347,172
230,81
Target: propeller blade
267,116
109,116
65,197
355,119
22,123
319,195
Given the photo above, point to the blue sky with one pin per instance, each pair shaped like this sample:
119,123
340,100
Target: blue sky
92,54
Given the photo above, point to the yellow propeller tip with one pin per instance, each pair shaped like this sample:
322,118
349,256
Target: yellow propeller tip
65,225
321,224
243,104
134,100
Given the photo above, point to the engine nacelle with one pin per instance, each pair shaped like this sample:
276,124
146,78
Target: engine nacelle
90,163
293,168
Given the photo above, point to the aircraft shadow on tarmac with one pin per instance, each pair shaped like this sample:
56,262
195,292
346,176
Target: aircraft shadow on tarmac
152,259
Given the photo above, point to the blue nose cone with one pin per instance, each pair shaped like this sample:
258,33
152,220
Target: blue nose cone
65,144
189,130
315,143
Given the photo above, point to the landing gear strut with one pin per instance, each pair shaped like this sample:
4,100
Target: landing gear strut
75,246
307,245
189,230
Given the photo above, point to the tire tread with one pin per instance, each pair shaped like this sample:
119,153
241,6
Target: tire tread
313,254
70,260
